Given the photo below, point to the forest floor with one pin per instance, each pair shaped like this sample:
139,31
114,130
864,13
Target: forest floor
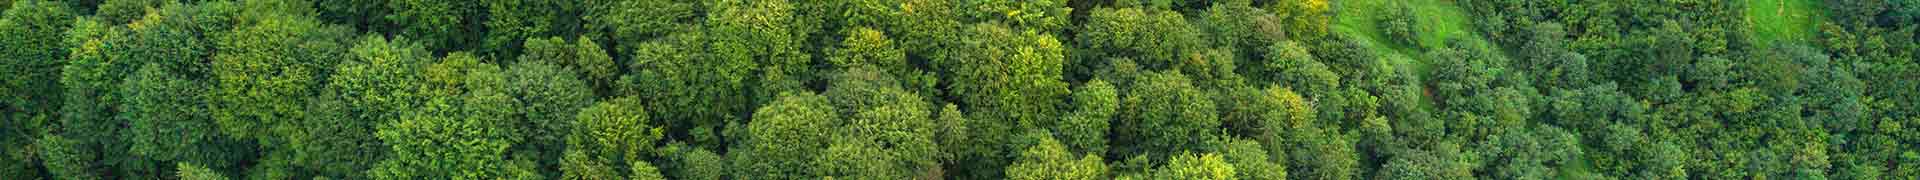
1791,21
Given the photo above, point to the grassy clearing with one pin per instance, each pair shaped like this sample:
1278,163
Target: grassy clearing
1790,21
1440,20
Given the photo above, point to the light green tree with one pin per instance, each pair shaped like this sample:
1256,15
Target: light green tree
462,130
1010,81
1051,160
266,72
189,171
1157,39
1164,114
766,33
784,137
1096,103
1188,165
610,136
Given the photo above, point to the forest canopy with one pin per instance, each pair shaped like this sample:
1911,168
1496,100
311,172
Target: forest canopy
959,89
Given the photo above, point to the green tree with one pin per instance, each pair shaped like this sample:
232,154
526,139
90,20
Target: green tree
872,49
1251,160
1044,16
380,79
925,28
887,128
169,118
440,24
353,13
1291,63
373,87
1052,160
592,64
687,162
1096,103
690,92
32,52
1188,165
629,23
611,135
87,79
1320,153
1238,25
1304,19
99,110
509,22
1532,152
644,171
767,34
1444,161
1158,39
335,142
784,137
462,130
1011,82
549,97
124,11
266,72
189,171
1164,114
1401,25
33,32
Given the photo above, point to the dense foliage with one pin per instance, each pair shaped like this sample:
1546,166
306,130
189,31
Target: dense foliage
959,89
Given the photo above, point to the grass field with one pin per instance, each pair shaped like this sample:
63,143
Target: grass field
1792,21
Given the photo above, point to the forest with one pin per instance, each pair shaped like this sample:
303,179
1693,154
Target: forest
959,89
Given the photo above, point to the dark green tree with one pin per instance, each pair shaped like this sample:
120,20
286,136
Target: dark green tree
124,11
31,34
374,86
87,79
626,24
689,92
1401,25
509,22
549,97
584,57
169,119
439,24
